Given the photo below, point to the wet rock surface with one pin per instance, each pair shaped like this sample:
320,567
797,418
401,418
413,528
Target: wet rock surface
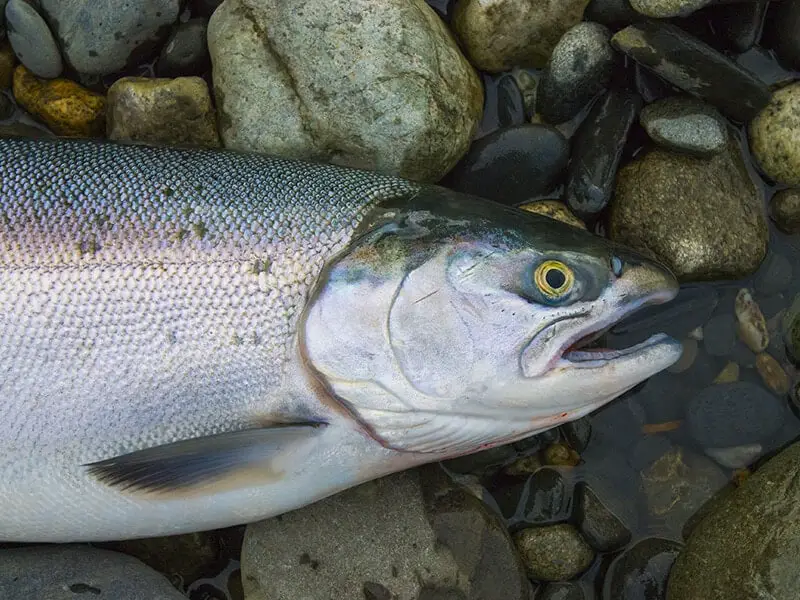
553,552
785,209
279,88
32,40
781,31
599,526
642,571
775,136
684,124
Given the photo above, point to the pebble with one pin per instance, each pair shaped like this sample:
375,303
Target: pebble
579,68
735,457
775,136
599,526
514,164
791,331
500,35
719,335
67,108
704,218
614,14
8,61
548,500
739,24
555,209
185,51
665,9
386,89
775,275
100,38
685,124
785,210
554,552
732,414
597,150
694,67
642,571
70,572
32,40
728,374
783,25
564,590
750,322
162,111
561,455
772,374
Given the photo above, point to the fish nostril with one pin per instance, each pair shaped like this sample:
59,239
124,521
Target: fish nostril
616,265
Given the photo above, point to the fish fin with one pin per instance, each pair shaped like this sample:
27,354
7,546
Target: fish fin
209,460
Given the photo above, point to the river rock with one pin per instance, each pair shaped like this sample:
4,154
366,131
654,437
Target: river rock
32,40
579,68
599,526
185,51
101,37
775,136
695,67
67,108
407,532
785,210
162,111
67,572
548,500
746,548
381,86
504,104
703,217
641,571
514,164
781,30
664,9
732,414
554,552
685,124
614,14
499,35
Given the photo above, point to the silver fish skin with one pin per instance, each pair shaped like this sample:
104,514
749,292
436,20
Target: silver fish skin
193,339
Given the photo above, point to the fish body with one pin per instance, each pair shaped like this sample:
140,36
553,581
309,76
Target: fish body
192,339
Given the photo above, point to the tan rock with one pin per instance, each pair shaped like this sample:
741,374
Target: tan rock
775,136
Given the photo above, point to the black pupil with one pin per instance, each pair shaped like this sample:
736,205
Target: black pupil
555,278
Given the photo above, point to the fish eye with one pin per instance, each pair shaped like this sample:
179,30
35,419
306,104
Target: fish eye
554,279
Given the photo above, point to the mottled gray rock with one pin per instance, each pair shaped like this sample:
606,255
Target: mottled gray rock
746,547
554,552
185,51
499,35
775,136
104,36
663,9
413,533
579,68
32,40
703,217
685,124
67,572
785,210
353,82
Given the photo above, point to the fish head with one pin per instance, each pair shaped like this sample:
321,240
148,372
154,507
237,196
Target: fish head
456,324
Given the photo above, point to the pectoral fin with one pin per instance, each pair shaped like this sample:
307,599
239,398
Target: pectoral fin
215,459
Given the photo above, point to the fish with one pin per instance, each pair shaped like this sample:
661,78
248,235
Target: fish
192,339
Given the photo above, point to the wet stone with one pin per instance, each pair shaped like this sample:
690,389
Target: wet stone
750,322
564,590
772,374
579,68
548,500
553,552
8,61
785,210
504,104
611,13
695,67
32,40
735,457
599,526
619,423
685,124
597,150
7,107
664,9
775,136
642,571
731,414
739,24
663,398
513,165
783,23
578,433
185,51
561,455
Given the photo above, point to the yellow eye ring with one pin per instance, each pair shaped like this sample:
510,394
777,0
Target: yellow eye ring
554,279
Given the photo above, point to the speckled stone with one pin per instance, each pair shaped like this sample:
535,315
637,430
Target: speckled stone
785,210
685,124
32,40
775,136
664,9
502,34
554,552
703,217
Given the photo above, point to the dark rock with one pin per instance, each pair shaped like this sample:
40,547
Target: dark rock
611,13
503,106
548,500
613,481
601,528
732,414
579,68
739,24
7,107
663,398
649,85
507,495
695,67
783,25
564,590
514,164
186,50
204,8
32,40
553,552
685,124
597,150
99,38
719,335
642,571
785,210
578,433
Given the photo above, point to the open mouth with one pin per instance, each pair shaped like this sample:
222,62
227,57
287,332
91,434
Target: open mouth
595,357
